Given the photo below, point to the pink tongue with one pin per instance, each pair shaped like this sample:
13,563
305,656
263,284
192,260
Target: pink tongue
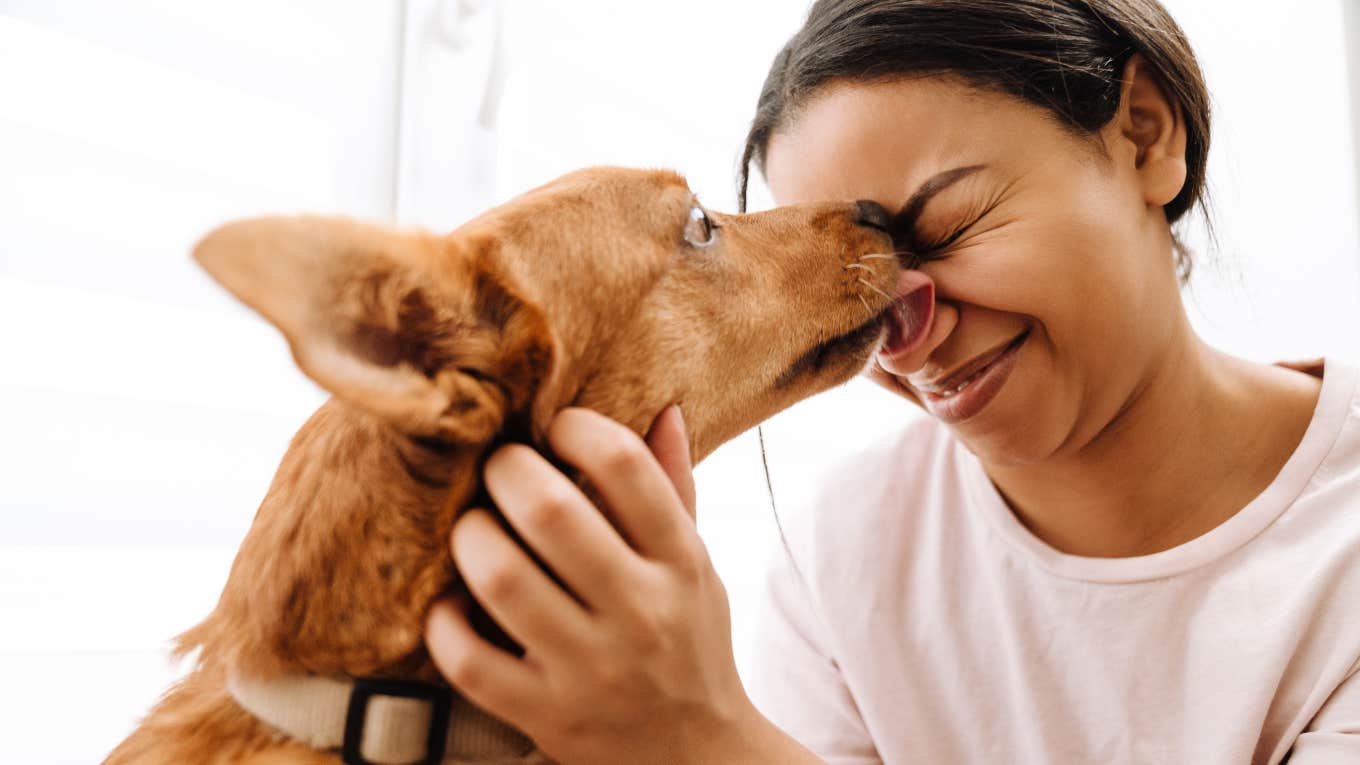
912,313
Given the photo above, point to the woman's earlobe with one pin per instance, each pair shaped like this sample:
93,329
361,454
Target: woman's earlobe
1152,122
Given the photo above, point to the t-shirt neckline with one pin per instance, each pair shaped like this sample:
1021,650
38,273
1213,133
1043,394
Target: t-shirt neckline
1329,415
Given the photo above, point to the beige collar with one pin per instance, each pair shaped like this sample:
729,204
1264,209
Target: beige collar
391,722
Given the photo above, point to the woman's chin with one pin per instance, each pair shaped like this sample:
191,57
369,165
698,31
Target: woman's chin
1015,430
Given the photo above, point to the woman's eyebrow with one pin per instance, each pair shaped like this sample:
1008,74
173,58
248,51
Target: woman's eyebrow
905,220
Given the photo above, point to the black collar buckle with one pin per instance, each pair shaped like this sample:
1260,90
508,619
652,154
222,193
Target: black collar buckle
439,697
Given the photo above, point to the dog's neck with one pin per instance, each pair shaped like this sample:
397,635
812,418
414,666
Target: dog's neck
345,555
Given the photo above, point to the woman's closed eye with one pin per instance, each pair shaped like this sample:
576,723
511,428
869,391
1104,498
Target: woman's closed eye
948,240
936,246
927,247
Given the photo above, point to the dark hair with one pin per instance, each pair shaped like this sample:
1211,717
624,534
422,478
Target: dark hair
1065,56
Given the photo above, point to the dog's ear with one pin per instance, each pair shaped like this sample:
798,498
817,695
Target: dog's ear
414,328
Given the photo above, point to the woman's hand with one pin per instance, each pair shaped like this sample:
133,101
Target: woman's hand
634,664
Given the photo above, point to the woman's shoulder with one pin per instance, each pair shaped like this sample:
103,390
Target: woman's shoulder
1330,450
1333,434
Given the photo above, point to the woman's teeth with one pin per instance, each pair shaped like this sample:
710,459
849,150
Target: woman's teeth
951,392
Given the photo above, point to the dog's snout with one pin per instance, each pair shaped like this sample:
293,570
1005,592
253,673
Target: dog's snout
871,214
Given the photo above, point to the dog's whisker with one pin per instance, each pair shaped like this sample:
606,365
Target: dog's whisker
865,302
879,256
859,265
876,288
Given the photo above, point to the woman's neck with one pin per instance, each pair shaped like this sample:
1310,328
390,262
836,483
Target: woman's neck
1193,445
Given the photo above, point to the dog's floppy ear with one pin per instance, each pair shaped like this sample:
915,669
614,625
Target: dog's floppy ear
414,328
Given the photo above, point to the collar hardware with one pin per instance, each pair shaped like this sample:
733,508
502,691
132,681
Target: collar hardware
365,688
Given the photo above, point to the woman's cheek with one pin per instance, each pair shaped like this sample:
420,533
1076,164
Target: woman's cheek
998,274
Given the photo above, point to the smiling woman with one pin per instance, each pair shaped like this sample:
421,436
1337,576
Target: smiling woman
1089,462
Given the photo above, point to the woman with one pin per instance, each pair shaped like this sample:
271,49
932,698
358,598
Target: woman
1109,543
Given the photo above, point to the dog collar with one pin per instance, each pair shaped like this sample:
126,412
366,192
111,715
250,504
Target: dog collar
383,722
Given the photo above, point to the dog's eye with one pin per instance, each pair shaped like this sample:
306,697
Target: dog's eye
700,231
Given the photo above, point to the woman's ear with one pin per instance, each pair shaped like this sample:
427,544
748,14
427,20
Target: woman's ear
1151,124
415,329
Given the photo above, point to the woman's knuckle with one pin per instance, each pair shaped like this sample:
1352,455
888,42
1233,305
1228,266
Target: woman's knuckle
652,627
464,671
691,561
501,582
611,678
642,595
549,511
621,454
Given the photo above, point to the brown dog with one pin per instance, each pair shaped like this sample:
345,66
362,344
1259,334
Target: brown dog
609,289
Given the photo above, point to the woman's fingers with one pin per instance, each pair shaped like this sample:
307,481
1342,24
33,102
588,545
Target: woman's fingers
559,523
512,588
492,679
640,497
670,446
651,654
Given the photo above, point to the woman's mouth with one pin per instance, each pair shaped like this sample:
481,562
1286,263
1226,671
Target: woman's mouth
965,393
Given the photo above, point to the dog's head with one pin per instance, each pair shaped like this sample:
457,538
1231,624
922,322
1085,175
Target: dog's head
607,288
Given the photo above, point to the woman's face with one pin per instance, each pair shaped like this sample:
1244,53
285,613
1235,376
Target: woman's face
1053,272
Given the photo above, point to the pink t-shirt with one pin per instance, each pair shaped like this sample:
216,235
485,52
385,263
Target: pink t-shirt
918,621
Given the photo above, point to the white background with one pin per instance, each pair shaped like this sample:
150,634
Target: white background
142,412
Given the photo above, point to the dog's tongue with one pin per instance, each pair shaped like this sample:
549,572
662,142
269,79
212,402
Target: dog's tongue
911,315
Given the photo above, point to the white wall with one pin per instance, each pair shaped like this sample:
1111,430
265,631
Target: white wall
1282,174
144,411
1351,10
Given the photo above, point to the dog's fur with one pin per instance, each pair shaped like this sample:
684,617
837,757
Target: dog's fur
583,292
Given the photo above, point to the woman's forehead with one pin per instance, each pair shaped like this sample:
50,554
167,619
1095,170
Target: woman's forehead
883,140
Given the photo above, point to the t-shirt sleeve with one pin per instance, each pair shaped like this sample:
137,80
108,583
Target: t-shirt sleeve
793,677
1334,734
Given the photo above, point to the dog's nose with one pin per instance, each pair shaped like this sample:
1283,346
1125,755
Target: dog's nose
870,213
